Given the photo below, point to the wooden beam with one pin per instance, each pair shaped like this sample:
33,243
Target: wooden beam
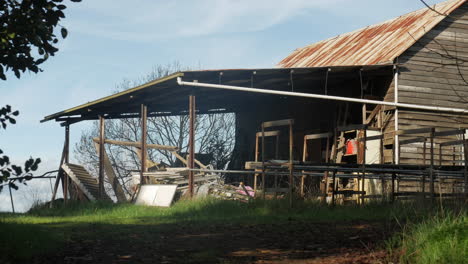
269,133
276,123
318,136
413,131
116,186
66,160
136,144
373,114
101,156
413,140
186,162
450,132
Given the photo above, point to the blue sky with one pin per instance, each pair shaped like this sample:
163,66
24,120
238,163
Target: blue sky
113,40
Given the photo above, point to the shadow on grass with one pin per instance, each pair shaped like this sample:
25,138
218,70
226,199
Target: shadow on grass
208,231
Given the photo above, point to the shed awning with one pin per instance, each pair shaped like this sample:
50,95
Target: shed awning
165,97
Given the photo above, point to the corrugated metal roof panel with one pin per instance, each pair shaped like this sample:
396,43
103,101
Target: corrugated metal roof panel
377,44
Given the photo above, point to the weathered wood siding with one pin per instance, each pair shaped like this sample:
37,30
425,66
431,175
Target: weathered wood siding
434,71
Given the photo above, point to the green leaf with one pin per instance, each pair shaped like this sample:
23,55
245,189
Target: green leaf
64,32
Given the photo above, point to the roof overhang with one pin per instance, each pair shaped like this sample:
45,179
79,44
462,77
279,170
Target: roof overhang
165,97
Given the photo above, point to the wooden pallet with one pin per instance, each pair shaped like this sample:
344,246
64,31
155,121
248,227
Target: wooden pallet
87,184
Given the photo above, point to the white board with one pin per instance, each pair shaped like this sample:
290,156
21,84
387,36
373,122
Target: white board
156,195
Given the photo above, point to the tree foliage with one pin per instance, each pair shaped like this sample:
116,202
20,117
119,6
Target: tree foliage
6,168
27,39
27,33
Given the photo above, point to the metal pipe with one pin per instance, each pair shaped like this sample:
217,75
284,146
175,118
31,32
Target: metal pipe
397,137
320,96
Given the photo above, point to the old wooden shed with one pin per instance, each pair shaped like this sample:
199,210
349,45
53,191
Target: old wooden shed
405,74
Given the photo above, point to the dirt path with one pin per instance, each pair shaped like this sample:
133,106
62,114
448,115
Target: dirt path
292,242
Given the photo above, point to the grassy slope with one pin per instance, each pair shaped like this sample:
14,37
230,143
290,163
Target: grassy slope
39,231
439,239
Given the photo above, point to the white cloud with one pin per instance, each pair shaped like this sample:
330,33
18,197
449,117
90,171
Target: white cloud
161,20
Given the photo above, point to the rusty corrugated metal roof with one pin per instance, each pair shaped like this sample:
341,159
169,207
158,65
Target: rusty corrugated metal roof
376,44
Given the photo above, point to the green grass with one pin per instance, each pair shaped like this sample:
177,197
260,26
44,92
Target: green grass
441,238
42,230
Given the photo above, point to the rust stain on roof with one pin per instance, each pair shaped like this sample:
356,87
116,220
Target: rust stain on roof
376,44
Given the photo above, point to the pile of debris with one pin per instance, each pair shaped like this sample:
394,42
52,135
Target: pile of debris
226,191
205,184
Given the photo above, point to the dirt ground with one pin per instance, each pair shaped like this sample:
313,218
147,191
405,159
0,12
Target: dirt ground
292,242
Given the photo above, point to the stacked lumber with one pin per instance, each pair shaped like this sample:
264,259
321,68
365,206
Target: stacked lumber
87,184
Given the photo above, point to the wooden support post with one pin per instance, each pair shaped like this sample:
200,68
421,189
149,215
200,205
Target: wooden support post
333,187
291,163
364,143
440,155
66,181
191,158
256,159
382,160
326,174
276,157
11,199
304,158
263,161
143,147
423,189
101,156
60,174
465,171
431,169
392,197
334,156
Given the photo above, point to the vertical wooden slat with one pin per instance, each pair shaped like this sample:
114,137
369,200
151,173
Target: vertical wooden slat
325,177
143,147
465,150
59,177
304,158
364,143
66,181
276,157
101,156
382,160
191,142
256,159
392,197
263,162
440,155
431,169
424,173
